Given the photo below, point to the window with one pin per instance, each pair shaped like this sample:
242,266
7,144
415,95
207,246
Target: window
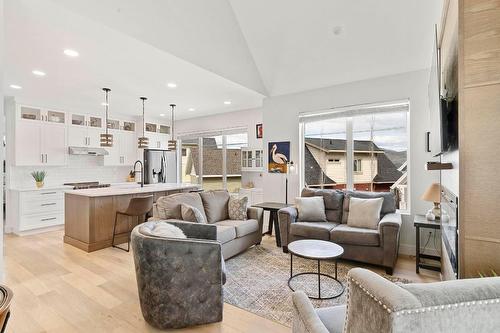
357,165
214,161
360,148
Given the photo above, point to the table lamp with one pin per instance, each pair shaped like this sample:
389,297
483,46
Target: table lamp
433,194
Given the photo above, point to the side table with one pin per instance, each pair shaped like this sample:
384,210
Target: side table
272,208
421,222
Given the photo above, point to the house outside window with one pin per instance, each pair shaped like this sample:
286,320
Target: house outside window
362,148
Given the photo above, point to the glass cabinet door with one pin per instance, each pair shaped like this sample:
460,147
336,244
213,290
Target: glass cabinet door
95,122
244,159
78,119
30,113
151,127
113,124
56,117
164,129
250,159
129,126
258,158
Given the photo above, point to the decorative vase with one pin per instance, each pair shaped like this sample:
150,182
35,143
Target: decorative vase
39,184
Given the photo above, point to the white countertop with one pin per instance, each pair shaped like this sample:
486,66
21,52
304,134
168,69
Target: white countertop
131,188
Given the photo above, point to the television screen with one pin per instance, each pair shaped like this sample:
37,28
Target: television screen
449,125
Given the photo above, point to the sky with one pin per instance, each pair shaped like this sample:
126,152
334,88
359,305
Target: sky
387,130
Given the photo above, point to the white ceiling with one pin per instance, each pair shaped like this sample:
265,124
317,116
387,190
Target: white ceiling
295,49
37,32
215,50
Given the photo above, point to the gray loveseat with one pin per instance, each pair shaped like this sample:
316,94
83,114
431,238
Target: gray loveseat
235,235
179,279
376,305
374,246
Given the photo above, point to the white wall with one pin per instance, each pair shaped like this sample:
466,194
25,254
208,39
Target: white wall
2,132
281,123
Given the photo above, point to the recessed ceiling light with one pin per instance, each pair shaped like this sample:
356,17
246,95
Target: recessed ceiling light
172,85
15,86
38,73
71,53
191,109
227,102
162,115
337,30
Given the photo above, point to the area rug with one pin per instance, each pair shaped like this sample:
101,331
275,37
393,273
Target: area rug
257,281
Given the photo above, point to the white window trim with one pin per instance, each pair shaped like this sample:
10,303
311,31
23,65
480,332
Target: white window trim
356,110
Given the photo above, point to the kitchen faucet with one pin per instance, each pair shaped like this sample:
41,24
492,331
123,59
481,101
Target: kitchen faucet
141,172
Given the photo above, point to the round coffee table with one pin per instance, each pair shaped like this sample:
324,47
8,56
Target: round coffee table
316,250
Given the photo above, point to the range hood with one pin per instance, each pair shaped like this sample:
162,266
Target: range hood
88,151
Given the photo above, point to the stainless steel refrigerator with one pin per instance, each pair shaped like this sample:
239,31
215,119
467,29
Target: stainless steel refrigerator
160,166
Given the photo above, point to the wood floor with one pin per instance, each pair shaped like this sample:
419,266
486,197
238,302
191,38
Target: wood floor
58,288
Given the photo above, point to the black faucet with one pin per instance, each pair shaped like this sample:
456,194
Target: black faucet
141,172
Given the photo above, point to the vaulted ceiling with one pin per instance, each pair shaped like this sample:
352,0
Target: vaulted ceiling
215,50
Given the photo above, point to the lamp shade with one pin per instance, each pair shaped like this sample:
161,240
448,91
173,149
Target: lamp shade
433,193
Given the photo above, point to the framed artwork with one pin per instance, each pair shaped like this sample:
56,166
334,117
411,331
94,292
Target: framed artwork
279,155
258,131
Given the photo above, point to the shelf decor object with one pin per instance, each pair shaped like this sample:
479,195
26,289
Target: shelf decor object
106,138
143,141
438,166
172,143
433,194
39,177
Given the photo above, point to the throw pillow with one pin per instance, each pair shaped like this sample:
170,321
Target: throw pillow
237,208
161,229
364,213
310,209
192,214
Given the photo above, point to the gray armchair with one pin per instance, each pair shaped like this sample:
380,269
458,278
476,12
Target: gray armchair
374,246
375,304
179,279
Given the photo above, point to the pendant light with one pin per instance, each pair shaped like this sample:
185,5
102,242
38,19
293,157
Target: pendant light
172,143
106,138
143,141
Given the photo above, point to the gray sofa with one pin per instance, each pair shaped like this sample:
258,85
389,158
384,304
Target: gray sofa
235,235
179,279
374,246
380,306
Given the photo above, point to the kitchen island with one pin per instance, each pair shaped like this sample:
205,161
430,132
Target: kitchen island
90,213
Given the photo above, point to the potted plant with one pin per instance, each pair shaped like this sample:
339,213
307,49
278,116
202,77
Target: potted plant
39,177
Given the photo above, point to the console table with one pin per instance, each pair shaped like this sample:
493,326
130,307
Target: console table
421,222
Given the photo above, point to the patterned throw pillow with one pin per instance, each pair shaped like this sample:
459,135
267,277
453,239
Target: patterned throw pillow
192,214
237,208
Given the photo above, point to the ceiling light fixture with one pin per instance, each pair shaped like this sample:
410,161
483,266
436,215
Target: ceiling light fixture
191,109
106,138
38,73
143,141
227,102
172,85
71,53
172,143
337,30
15,86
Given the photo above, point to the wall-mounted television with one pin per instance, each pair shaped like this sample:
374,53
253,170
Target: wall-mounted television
449,124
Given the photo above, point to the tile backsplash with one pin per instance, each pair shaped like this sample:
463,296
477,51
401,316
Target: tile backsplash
79,169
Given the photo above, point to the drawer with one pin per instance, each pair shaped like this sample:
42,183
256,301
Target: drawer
41,195
42,206
40,221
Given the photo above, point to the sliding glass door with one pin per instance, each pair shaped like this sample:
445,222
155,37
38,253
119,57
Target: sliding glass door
213,160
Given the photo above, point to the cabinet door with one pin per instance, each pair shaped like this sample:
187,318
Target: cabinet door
77,136
162,140
54,146
114,152
154,140
128,148
28,148
94,137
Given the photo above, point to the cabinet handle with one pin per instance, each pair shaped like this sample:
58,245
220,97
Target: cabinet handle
44,193
46,159
41,157
49,219
48,204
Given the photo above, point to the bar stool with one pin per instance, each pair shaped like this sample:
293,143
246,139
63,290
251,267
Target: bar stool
137,207
5,300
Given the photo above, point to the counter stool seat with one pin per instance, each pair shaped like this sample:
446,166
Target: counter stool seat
137,207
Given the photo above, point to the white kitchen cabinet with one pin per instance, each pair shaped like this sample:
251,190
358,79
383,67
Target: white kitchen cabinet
85,131
124,150
32,210
254,195
40,142
252,159
158,140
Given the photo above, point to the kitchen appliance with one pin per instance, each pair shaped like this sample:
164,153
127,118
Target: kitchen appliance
87,151
160,166
86,185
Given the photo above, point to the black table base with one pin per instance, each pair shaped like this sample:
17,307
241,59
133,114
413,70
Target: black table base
319,275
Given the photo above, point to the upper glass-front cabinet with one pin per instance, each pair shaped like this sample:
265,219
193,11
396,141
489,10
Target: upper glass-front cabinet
95,121
31,113
83,120
129,126
78,119
56,117
113,124
164,129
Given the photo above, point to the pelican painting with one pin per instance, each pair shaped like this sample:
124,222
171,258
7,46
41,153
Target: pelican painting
279,155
